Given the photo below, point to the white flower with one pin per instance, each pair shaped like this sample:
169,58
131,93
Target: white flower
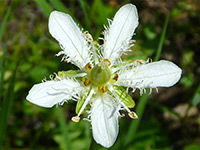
102,73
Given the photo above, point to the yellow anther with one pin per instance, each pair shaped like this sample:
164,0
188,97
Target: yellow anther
88,67
102,89
75,119
133,115
107,62
86,81
84,78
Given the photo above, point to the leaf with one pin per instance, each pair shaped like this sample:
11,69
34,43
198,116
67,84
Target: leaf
196,98
192,147
124,96
2,70
3,23
6,107
58,5
45,6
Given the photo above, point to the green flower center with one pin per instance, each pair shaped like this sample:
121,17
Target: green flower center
100,74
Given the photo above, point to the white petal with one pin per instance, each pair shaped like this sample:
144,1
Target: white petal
104,119
49,93
121,30
157,74
72,40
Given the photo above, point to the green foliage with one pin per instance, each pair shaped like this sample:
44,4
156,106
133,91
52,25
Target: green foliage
64,130
194,146
143,100
196,97
44,5
6,107
24,38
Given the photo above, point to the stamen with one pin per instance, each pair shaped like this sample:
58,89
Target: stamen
103,89
75,119
149,60
133,115
84,78
88,67
139,62
86,82
89,36
107,62
90,39
86,102
116,77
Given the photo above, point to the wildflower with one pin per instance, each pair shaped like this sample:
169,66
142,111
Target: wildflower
97,85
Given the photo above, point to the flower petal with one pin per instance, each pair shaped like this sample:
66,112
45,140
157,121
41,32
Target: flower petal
49,93
104,119
72,40
117,38
157,74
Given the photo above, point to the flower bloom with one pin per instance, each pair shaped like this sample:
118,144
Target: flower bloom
97,85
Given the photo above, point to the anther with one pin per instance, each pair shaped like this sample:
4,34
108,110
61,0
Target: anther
107,62
115,77
102,89
133,115
139,62
85,81
149,60
75,119
84,78
88,67
89,36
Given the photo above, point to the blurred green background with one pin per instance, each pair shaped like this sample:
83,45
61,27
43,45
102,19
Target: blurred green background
168,120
